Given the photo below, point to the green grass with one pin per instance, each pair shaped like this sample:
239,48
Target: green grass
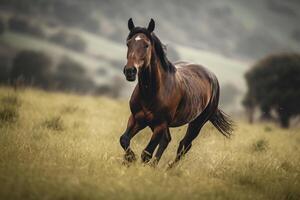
67,147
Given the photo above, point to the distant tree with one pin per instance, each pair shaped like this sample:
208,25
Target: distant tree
274,84
69,40
32,67
71,76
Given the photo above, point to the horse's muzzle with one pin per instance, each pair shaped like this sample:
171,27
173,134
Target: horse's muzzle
130,73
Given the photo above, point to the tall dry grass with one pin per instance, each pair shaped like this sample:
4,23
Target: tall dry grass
57,146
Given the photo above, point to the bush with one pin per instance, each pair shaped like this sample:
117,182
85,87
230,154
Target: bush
32,68
54,123
273,84
260,145
68,40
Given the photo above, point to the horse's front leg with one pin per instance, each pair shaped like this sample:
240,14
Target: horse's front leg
133,127
158,132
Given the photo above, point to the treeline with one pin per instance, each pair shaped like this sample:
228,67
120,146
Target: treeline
36,69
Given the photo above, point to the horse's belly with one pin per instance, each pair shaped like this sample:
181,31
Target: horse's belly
187,113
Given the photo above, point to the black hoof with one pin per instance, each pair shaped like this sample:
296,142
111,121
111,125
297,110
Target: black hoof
129,156
146,156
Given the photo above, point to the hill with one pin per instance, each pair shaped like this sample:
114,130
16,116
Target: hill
239,29
106,56
51,149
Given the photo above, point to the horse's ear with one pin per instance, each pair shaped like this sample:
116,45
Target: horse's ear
151,25
130,24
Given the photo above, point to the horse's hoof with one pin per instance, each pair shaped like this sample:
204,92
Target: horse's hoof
146,157
129,156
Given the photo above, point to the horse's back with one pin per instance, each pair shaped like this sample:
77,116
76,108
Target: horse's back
196,83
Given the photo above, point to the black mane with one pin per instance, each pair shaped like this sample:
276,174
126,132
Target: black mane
158,46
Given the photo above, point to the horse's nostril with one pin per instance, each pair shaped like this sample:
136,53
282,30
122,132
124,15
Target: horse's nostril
130,71
134,70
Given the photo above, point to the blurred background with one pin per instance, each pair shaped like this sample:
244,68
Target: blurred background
79,46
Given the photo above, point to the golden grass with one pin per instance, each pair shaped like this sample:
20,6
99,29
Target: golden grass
67,147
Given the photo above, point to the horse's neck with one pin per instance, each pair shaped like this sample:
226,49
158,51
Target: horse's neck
150,78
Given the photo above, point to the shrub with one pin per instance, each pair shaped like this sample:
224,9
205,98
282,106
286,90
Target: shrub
260,145
54,123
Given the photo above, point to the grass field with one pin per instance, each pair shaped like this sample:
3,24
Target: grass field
59,146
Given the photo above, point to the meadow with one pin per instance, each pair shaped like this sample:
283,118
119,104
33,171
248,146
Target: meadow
66,146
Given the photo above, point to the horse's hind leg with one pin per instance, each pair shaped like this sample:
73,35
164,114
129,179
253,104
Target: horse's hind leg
193,131
186,143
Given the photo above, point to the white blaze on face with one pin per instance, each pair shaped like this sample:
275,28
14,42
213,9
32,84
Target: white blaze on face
138,38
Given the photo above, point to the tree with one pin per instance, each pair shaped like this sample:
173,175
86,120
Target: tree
71,76
32,67
274,84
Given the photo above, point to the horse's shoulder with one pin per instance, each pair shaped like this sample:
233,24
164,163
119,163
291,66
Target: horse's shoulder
134,102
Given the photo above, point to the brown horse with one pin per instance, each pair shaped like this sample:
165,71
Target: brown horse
167,95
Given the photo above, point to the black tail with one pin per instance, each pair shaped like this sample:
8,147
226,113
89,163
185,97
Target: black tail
222,122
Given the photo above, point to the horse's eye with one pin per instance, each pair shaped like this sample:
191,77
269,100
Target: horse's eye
146,46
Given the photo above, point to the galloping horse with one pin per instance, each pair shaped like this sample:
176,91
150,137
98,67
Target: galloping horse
167,95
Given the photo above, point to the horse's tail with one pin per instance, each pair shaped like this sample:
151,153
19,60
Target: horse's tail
222,122
219,119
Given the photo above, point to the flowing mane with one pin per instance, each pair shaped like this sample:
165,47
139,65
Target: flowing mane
160,48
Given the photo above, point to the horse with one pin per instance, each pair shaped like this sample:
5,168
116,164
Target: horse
167,95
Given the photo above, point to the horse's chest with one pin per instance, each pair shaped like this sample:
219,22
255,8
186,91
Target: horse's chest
148,115
154,113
